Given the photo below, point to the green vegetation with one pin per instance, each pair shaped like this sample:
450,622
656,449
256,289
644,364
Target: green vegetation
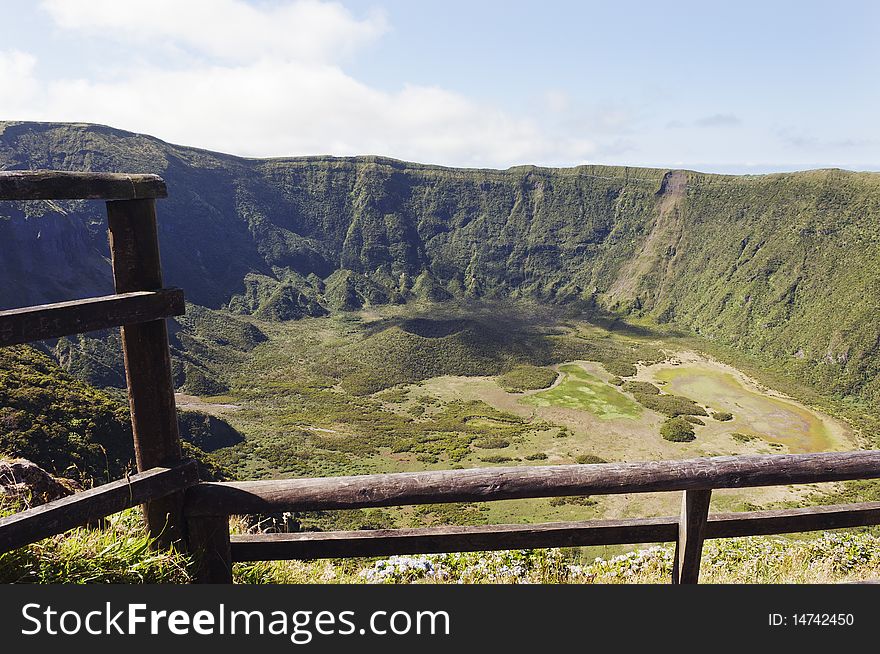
581,390
790,423
575,500
62,424
459,273
587,459
640,388
670,405
496,458
677,430
74,430
491,443
620,368
731,258
527,378
118,553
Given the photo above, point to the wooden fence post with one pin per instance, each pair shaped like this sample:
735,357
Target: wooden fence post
691,531
210,544
134,246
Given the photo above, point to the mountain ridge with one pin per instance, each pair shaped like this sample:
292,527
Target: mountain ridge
378,158
783,265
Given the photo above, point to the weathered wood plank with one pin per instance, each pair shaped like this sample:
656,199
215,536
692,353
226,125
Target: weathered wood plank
691,533
64,185
81,508
208,542
789,521
134,246
486,484
434,540
80,316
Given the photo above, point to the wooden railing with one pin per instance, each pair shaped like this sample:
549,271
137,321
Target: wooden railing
209,505
183,513
140,307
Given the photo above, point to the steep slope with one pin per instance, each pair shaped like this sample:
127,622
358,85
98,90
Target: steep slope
785,266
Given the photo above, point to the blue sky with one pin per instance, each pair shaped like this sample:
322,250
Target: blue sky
727,87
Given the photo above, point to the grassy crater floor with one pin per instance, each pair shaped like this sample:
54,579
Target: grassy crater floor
397,389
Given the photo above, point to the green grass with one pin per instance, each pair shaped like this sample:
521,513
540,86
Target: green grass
581,390
119,553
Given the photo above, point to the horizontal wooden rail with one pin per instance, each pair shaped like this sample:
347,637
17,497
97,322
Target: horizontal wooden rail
80,316
435,540
791,521
486,484
81,508
63,185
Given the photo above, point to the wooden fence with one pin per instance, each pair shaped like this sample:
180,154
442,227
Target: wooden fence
183,513
140,307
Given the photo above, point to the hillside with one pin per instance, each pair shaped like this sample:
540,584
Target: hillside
785,266
80,432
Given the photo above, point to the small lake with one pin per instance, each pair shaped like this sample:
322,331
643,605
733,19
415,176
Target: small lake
773,419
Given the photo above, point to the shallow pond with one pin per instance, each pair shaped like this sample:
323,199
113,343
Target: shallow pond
773,419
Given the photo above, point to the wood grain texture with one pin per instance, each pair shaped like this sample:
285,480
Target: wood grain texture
134,247
789,521
208,542
431,540
434,540
486,484
691,533
80,316
64,185
81,508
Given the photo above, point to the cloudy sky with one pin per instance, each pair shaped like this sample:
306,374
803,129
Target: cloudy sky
731,87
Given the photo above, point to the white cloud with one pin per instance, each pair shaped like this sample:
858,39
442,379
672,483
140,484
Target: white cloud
17,80
267,80
231,30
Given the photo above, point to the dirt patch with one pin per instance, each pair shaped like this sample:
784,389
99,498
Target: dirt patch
194,403
664,237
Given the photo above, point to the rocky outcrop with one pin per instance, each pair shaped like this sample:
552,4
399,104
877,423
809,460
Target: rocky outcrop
23,482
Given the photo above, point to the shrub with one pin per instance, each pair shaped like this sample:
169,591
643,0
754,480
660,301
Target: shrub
742,438
577,500
587,459
677,430
491,443
722,416
527,378
496,459
620,368
617,381
694,420
670,405
641,387
537,456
